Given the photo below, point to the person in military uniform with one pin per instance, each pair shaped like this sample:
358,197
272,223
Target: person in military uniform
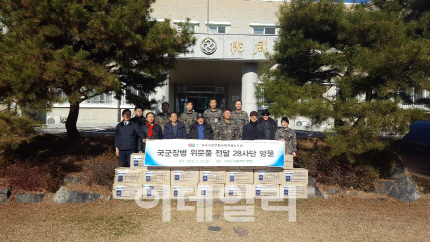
163,118
241,117
188,117
227,129
288,136
213,114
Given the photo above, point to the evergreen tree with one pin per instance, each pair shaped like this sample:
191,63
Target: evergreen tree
372,57
83,48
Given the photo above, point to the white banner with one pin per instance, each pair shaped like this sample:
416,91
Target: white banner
185,152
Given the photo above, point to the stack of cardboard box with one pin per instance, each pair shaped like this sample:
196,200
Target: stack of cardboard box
216,182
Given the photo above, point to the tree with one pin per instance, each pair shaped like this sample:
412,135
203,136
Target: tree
371,56
84,48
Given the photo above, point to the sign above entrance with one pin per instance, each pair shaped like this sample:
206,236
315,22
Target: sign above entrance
208,46
231,47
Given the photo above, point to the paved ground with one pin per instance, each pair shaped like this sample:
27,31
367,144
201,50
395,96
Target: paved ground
364,217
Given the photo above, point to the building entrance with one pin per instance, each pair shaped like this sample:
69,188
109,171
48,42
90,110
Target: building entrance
200,96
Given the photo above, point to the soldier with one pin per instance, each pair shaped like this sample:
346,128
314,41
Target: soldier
213,114
227,129
289,137
163,118
188,117
241,117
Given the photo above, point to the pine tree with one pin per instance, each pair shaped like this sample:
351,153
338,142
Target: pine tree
83,48
372,57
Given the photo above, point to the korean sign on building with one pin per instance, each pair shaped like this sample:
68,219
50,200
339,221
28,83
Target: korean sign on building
184,152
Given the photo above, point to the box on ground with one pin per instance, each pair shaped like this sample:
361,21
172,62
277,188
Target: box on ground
266,190
212,176
238,190
286,191
156,176
127,175
185,176
137,161
150,191
294,176
125,190
239,176
184,191
210,190
268,176
288,161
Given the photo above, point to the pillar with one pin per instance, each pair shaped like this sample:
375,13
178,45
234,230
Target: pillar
249,80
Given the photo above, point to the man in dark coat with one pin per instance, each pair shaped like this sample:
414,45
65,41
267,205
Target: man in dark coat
201,129
175,129
126,141
253,130
270,126
151,130
138,116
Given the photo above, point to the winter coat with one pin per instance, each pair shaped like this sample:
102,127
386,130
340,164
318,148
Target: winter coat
181,132
126,136
248,132
273,126
207,132
157,133
140,120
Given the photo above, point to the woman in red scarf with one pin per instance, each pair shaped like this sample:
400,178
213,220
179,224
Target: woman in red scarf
151,130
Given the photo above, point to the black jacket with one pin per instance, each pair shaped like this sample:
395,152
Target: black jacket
181,133
208,132
126,136
272,125
140,120
248,133
157,133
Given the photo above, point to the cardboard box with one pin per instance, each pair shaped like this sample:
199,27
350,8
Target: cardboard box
288,161
184,177
126,175
266,190
212,176
232,190
183,191
287,190
137,161
156,176
210,190
148,191
268,176
125,190
239,176
294,176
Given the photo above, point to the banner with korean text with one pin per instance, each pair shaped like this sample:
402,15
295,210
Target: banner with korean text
185,152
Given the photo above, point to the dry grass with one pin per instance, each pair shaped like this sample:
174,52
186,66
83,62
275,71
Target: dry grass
340,218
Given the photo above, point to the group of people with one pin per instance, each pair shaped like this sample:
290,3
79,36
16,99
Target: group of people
131,133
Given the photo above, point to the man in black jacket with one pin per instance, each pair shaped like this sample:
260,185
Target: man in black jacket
175,129
253,130
270,126
126,135
138,116
201,129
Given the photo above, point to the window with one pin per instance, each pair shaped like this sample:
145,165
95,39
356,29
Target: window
267,30
217,29
192,25
191,28
262,29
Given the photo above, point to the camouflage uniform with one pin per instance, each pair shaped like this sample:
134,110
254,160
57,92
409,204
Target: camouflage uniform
241,118
162,119
213,117
227,130
188,119
289,136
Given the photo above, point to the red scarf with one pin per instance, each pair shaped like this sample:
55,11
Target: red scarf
150,129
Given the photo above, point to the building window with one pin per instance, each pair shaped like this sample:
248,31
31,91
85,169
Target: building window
265,30
217,29
192,25
191,28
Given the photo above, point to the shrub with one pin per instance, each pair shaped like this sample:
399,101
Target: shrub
102,169
366,178
22,176
53,178
423,184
